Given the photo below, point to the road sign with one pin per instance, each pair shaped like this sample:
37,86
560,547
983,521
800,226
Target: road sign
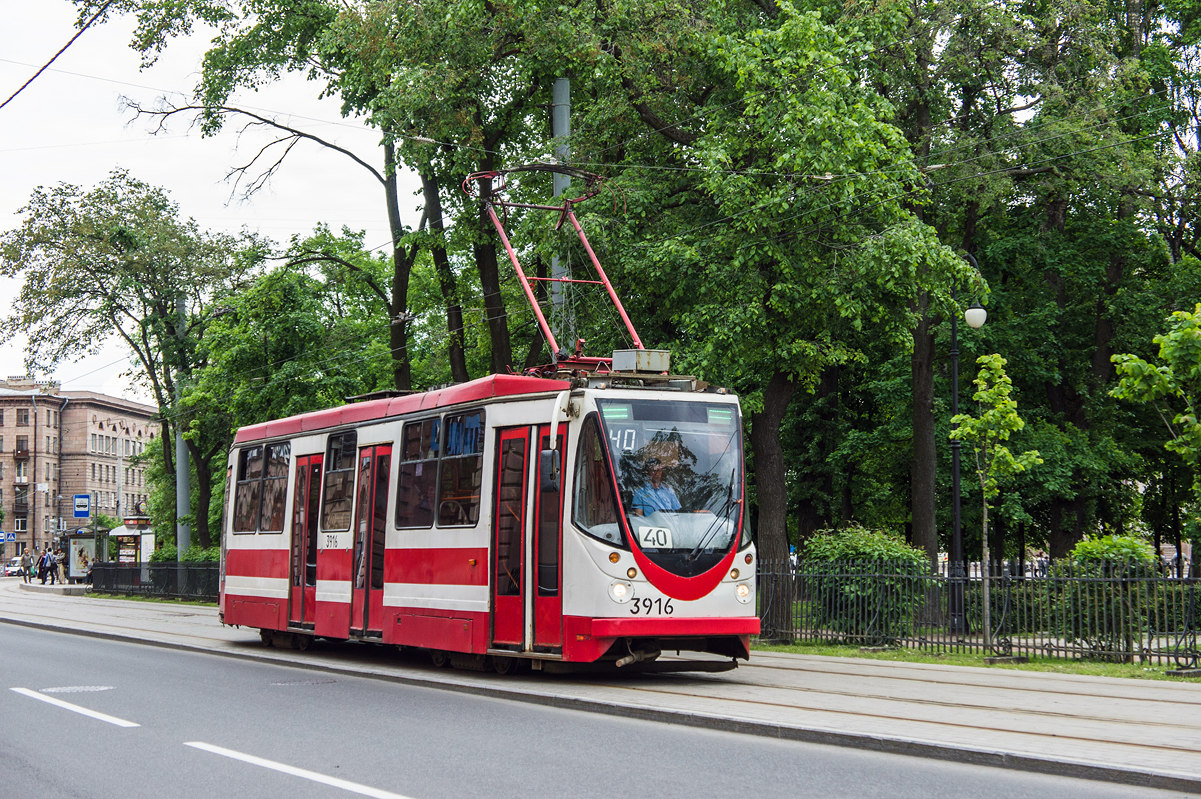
83,506
10,536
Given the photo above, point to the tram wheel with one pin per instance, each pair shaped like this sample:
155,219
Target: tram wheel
267,637
439,658
301,642
503,665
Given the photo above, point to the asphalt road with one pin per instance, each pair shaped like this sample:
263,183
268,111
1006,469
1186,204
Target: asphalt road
85,717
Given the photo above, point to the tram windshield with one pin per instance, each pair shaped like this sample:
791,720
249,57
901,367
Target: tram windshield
679,478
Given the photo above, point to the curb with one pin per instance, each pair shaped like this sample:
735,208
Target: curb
62,589
924,749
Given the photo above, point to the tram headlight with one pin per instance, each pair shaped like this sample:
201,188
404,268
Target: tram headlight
743,592
620,591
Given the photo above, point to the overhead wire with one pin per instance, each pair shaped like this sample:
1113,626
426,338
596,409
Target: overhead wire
99,12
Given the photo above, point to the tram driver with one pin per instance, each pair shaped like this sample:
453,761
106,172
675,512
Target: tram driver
654,495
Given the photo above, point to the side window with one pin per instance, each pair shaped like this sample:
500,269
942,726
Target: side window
461,470
595,508
416,481
248,490
275,488
338,492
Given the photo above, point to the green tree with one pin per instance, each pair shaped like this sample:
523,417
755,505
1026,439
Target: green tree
1172,386
987,433
117,260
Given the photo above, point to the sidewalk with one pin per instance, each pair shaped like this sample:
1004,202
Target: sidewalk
1128,731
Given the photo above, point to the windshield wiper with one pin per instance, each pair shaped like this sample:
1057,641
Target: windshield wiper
717,518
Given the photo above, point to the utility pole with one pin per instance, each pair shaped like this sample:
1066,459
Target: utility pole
560,120
183,489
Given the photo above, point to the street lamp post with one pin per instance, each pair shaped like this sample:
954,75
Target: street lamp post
975,317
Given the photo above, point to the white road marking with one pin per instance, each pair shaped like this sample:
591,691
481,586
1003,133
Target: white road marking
345,785
76,708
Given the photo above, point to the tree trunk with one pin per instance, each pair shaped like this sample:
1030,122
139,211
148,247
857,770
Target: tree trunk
487,266
203,496
924,466
446,277
537,346
771,490
398,329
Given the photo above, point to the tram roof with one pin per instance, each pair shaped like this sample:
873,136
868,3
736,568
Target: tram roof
484,388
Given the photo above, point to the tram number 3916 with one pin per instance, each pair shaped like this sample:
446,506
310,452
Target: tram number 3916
647,606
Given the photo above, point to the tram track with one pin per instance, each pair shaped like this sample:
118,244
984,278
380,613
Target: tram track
1140,737
1128,730
1050,683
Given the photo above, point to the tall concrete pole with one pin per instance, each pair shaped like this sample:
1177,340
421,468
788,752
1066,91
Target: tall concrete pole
560,120
183,488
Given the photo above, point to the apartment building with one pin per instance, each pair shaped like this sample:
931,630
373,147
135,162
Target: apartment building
57,444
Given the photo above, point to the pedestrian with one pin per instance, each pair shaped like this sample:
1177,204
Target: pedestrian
43,564
26,566
60,558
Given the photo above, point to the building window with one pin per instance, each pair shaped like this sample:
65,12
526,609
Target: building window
22,417
20,524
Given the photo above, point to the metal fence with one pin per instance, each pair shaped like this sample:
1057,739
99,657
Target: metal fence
1118,613
171,580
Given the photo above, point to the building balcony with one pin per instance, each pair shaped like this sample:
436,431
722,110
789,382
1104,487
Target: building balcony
21,454
20,506
21,480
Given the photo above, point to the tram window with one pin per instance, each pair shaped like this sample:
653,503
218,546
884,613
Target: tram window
416,480
339,481
249,489
510,513
379,518
461,470
275,486
595,508
549,513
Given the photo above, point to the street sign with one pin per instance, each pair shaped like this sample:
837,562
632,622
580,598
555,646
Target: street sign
10,536
83,506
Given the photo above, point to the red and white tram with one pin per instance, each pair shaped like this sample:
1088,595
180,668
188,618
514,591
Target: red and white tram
597,518
453,521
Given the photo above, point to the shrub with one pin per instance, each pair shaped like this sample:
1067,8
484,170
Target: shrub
1101,602
864,583
193,554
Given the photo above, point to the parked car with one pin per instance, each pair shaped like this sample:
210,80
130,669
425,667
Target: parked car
13,568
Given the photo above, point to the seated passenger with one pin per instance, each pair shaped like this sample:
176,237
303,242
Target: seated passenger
655,494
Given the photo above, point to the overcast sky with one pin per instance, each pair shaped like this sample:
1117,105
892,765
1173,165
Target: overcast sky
69,126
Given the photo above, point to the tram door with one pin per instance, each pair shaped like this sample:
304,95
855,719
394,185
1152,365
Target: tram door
302,578
508,539
548,546
370,527
527,596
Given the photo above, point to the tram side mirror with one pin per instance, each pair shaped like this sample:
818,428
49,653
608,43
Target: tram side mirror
548,479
